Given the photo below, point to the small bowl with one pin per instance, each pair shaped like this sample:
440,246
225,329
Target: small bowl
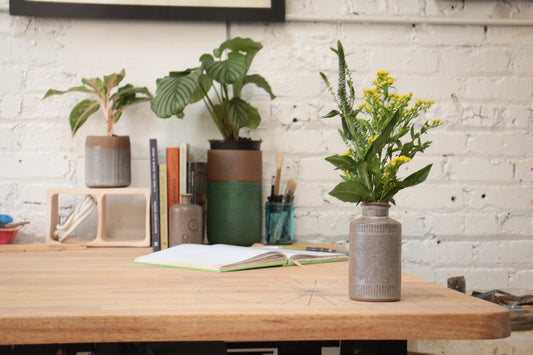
7,235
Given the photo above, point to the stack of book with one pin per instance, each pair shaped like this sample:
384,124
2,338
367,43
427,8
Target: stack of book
170,178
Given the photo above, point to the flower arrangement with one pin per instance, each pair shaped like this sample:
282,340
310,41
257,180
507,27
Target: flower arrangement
381,136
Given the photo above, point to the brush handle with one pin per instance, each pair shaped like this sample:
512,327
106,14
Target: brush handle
278,178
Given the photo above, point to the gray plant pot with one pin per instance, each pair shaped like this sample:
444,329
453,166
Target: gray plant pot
375,255
107,161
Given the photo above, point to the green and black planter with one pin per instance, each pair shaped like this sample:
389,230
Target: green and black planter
234,176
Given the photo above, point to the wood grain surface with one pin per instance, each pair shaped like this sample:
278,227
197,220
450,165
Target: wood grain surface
100,295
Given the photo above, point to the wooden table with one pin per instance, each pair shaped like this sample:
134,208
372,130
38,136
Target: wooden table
101,296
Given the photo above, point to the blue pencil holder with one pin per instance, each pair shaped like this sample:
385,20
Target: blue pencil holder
279,222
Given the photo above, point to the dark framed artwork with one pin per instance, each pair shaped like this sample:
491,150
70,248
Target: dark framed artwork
194,10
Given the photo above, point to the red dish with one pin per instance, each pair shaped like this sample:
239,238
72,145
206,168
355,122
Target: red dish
7,235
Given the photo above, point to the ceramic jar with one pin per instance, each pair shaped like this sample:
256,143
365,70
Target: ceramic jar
185,222
107,161
375,255
234,192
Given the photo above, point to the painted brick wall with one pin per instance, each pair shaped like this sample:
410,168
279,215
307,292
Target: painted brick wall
472,217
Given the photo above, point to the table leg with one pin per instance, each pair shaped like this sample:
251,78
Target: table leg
374,347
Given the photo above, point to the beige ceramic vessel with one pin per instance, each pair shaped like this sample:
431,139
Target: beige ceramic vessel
375,255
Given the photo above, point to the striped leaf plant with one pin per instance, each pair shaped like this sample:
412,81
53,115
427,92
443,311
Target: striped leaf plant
218,81
112,103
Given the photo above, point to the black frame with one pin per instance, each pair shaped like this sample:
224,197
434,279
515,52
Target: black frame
275,13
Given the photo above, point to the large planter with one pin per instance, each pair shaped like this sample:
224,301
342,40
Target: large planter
234,176
107,161
375,255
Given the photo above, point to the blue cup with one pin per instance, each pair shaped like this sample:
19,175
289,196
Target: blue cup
279,222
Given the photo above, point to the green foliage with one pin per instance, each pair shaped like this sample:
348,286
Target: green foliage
112,104
225,73
380,134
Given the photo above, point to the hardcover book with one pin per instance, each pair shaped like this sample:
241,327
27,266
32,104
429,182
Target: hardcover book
173,176
154,200
163,206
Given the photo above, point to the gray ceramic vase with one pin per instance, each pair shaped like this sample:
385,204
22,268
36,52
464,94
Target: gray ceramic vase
375,255
107,161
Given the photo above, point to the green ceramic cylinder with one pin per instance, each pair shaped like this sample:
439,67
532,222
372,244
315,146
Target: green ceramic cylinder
233,216
234,195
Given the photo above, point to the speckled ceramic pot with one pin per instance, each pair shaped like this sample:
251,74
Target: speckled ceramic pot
375,255
234,177
107,161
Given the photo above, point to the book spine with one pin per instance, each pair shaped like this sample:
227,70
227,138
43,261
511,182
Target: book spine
173,176
154,195
163,205
184,157
191,183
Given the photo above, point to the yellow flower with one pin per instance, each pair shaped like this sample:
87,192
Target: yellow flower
383,78
346,153
371,140
398,161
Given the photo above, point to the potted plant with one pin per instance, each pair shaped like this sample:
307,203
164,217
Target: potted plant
107,158
381,136
234,163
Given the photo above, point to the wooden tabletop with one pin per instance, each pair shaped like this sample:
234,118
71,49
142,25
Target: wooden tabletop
100,295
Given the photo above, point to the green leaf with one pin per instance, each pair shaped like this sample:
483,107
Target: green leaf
111,81
238,113
331,113
72,89
227,71
254,118
417,177
98,85
206,58
205,84
377,146
374,166
342,162
174,93
126,97
260,82
238,44
350,191
81,112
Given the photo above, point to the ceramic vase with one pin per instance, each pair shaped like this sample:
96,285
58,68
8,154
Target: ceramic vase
185,222
234,177
107,161
375,255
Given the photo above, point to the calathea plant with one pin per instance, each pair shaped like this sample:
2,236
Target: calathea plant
380,134
111,103
224,73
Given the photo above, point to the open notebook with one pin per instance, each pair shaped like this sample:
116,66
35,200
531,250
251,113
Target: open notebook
222,257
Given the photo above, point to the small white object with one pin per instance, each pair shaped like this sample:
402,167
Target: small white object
80,214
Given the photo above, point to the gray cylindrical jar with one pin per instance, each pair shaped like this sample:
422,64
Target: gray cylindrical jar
185,222
107,161
375,255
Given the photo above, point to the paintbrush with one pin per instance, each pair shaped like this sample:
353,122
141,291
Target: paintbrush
289,192
278,174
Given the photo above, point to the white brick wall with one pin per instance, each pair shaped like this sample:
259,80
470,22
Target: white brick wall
472,217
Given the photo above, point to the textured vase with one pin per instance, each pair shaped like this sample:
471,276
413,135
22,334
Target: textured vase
234,208
185,222
107,161
375,255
